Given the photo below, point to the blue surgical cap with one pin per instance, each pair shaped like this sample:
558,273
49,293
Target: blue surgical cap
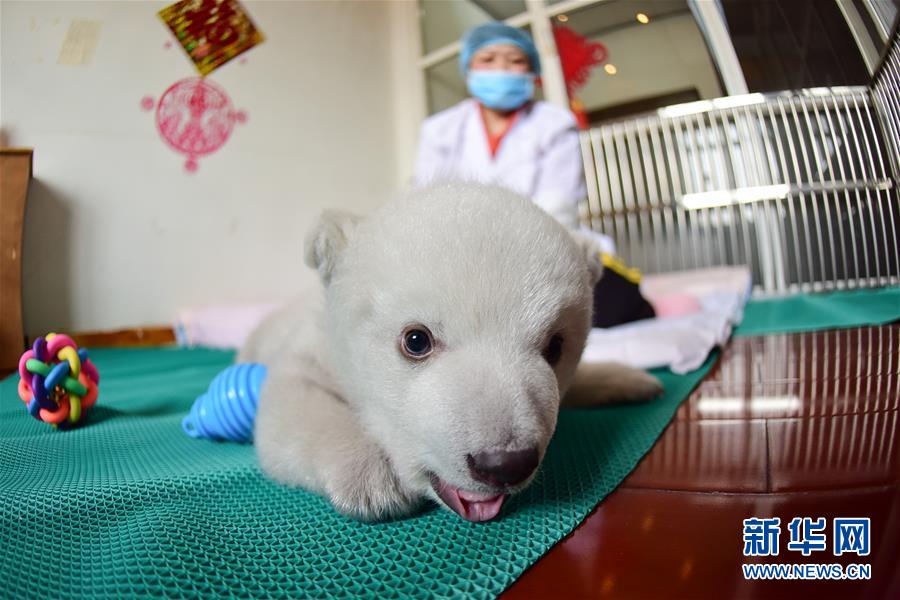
497,33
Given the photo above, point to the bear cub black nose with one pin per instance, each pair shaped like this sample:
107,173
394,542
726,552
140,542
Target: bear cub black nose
501,467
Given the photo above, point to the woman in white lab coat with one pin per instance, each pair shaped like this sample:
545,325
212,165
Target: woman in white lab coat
501,135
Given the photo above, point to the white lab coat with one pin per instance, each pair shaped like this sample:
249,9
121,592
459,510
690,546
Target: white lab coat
539,157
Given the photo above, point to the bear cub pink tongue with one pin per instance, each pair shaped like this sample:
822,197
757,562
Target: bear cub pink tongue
471,506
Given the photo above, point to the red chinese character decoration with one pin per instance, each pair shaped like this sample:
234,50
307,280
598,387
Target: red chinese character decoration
578,56
212,32
195,117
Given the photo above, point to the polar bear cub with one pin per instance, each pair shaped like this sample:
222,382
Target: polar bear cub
450,328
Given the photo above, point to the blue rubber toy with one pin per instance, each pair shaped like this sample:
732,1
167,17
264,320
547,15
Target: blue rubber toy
227,410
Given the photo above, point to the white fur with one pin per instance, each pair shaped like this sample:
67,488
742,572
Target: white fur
345,414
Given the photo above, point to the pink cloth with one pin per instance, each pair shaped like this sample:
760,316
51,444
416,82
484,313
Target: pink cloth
675,305
695,282
678,293
221,325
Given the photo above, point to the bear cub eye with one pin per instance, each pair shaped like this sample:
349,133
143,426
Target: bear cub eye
416,342
553,350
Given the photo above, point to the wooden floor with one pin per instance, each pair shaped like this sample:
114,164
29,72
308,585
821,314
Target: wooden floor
799,425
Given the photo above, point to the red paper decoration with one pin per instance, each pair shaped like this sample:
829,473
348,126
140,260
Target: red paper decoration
212,32
578,56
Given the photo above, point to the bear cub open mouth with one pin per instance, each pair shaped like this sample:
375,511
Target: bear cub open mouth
471,506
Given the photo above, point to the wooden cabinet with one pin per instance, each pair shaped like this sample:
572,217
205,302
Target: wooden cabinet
15,175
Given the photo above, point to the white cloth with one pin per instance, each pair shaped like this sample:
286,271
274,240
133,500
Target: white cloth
680,343
604,242
539,157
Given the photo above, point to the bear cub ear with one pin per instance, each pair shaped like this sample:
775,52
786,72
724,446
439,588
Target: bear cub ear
591,252
327,239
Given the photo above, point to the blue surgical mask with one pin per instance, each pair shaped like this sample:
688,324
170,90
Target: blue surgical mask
501,90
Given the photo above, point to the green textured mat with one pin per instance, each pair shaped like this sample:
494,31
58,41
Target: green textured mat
811,312
128,505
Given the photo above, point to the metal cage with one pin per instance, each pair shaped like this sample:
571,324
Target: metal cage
801,186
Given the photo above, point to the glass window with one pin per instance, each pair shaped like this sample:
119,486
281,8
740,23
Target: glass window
871,23
880,16
792,45
444,21
657,57
445,85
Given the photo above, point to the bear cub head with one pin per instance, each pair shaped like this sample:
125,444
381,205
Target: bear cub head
454,321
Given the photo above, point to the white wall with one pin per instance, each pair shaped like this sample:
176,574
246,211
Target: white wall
118,234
